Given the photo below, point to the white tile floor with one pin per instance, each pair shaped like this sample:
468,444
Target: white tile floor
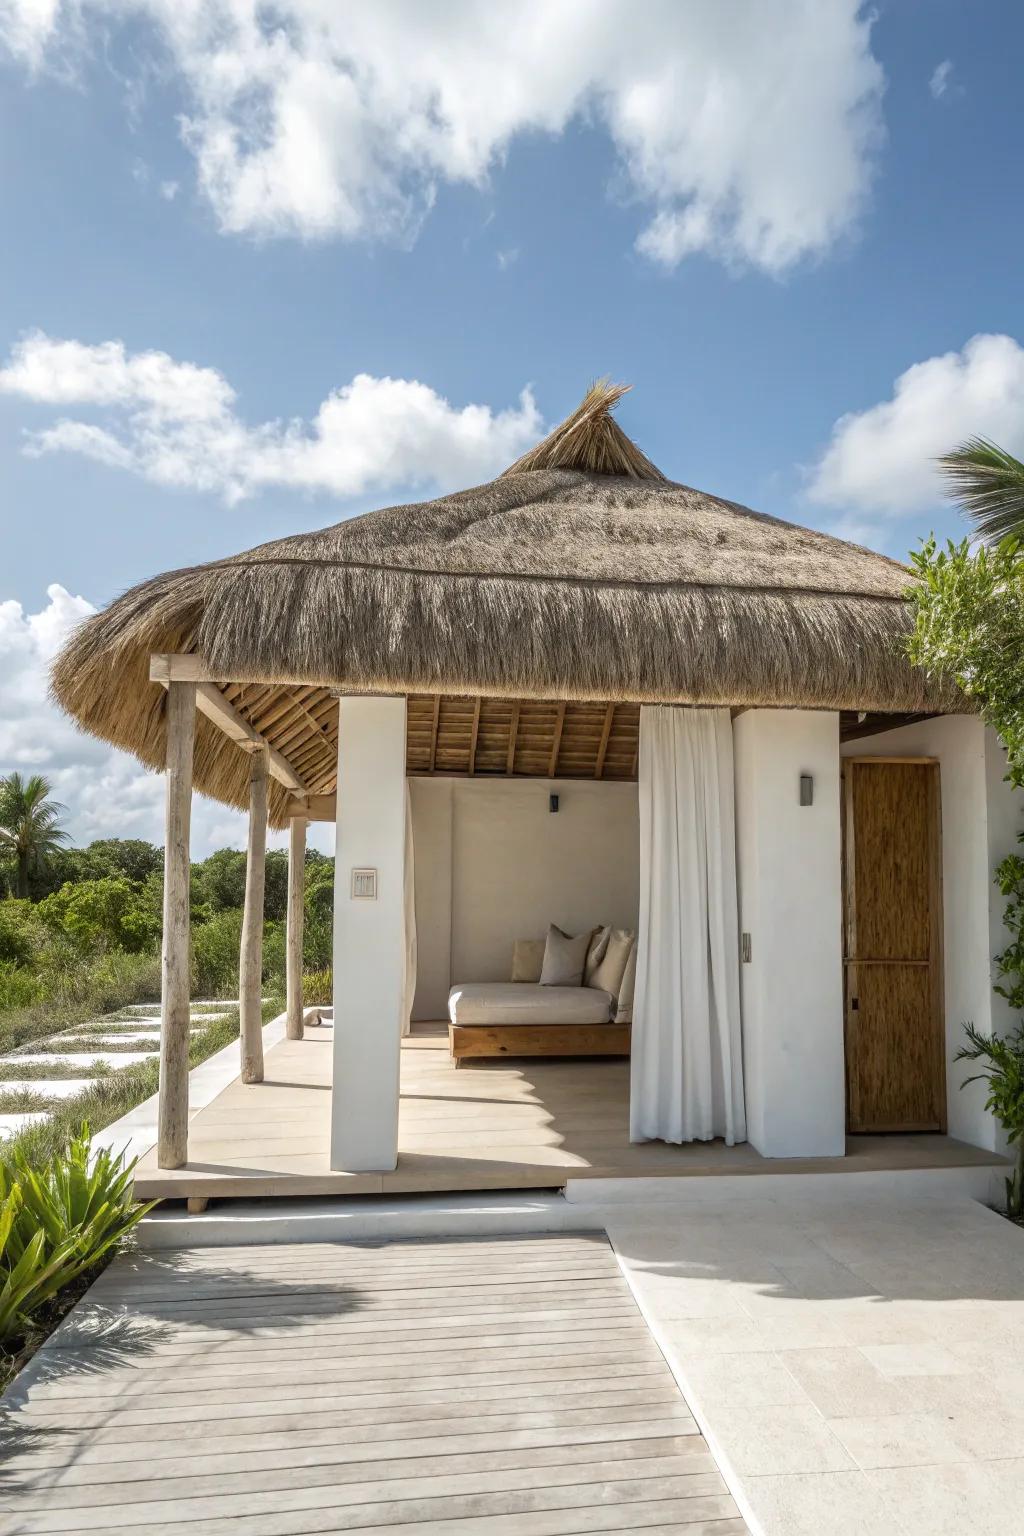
858,1366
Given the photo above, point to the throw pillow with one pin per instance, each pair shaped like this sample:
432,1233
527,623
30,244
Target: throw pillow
595,954
527,959
564,959
612,969
624,1012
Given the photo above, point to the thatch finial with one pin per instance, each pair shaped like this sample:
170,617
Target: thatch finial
591,440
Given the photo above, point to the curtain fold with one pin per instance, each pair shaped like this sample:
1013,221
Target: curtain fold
409,900
686,1079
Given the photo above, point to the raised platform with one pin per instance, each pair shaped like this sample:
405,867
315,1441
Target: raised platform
491,1125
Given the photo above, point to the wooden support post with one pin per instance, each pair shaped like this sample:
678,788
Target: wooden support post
250,968
172,1113
196,1204
296,900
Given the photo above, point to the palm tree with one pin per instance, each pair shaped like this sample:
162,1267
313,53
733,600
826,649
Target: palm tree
29,823
988,483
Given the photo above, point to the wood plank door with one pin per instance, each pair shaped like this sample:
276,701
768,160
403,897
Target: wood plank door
892,864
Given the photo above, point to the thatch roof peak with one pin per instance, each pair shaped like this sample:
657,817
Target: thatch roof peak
590,439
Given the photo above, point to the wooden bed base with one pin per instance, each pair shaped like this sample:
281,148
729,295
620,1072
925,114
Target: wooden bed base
476,1040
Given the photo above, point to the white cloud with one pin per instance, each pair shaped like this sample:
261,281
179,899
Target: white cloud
881,461
169,191
106,792
939,82
176,424
748,130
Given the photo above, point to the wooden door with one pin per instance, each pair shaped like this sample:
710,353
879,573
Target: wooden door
895,1032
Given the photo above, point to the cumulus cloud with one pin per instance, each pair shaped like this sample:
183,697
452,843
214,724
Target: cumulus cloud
881,461
106,792
176,424
747,130
938,84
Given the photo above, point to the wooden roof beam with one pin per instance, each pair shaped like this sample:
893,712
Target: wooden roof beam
212,703
557,742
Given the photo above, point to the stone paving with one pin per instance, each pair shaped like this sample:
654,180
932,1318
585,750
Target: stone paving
98,1043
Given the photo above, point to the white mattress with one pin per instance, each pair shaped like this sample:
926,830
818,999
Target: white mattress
527,1002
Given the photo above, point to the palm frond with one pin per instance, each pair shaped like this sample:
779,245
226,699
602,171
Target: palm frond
988,483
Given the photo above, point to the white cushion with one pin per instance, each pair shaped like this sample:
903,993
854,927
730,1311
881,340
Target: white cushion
524,1002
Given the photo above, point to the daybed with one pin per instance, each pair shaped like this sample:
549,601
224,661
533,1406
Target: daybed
531,1016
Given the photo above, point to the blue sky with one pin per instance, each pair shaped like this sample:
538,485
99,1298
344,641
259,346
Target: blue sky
763,260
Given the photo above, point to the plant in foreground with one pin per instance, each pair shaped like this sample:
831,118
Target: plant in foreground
57,1221
1004,1073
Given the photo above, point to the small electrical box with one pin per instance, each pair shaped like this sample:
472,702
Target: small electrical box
806,789
364,885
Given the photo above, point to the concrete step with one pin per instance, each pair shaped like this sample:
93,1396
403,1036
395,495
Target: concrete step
231,1223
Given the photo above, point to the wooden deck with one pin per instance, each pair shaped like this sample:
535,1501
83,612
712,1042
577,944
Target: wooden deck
505,1386
490,1125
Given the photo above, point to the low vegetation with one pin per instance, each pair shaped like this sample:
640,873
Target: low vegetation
60,1218
968,605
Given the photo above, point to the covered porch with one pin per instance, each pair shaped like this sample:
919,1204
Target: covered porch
492,1125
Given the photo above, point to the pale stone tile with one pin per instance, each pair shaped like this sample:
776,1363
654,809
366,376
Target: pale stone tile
842,1383
910,1359
820,1504
959,1499
900,1439
783,1438
741,1381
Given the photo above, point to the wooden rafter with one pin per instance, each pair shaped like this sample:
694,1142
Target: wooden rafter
474,734
602,747
557,741
513,734
433,731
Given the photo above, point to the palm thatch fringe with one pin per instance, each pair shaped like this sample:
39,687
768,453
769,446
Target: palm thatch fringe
608,583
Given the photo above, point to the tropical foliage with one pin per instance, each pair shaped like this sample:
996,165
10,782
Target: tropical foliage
1003,1072
988,483
30,829
57,1222
969,625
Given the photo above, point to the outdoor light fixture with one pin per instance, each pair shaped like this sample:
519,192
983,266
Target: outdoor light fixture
806,789
552,803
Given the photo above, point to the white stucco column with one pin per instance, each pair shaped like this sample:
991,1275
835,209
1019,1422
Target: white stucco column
369,934
790,890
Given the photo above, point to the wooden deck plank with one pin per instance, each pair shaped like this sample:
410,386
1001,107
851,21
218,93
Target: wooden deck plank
556,1417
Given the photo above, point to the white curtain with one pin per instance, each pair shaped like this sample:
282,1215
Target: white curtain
686,1082
409,896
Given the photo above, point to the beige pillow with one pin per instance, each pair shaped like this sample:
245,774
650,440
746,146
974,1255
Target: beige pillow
624,1012
527,959
595,954
612,969
564,958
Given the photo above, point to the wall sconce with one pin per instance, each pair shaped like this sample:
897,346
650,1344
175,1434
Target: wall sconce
552,803
806,789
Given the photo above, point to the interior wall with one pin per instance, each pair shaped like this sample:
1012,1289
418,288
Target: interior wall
493,864
981,816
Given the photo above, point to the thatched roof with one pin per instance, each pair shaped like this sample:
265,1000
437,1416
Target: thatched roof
580,573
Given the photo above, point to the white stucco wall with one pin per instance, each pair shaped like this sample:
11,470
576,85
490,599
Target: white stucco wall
789,874
493,864
369,936
980,819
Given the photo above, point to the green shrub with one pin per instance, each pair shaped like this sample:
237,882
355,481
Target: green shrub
21,934
18,987
110,913
317,987
215,947
57,1222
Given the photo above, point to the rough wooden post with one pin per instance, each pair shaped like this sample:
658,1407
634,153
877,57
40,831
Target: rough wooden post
250,967
296,900
172,1113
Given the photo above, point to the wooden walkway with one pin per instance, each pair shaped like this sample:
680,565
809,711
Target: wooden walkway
499,1124
499,1386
